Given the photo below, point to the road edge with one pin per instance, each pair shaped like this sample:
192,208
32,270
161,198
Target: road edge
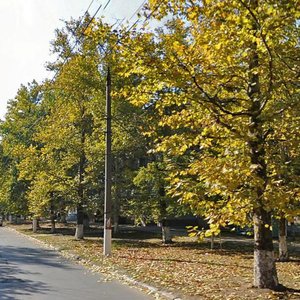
117,275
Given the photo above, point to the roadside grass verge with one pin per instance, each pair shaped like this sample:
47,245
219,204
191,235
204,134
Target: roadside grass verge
186,268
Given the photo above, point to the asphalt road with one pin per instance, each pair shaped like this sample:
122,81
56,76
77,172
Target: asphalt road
29,271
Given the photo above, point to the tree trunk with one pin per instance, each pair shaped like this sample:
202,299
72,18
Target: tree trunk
116,210
293,231
86,221
265,274
116,202
116,222
34,225
10,219
52,216
166,232
79,234
283,249
52,230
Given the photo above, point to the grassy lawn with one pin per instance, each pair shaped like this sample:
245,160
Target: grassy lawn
187,268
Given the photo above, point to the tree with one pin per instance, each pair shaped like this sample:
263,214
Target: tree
70,161
284,162
152,202
17,133
220,74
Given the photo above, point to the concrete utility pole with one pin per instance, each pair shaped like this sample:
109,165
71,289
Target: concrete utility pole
108,167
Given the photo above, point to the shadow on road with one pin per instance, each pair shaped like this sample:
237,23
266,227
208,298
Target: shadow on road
11,287
17,265
28,255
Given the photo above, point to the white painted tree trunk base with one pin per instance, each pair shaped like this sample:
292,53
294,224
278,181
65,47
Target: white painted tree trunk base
283,249
79,232
52,228
264,265
107,242
34,225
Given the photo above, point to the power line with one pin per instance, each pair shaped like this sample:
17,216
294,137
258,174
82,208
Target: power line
77,40
121,22
88,24
82,33
133,25
89,7
76,28
106,4
137,10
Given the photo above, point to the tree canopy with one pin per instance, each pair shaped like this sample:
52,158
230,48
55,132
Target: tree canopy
205,116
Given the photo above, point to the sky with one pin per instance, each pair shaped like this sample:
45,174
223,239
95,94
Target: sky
26,29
